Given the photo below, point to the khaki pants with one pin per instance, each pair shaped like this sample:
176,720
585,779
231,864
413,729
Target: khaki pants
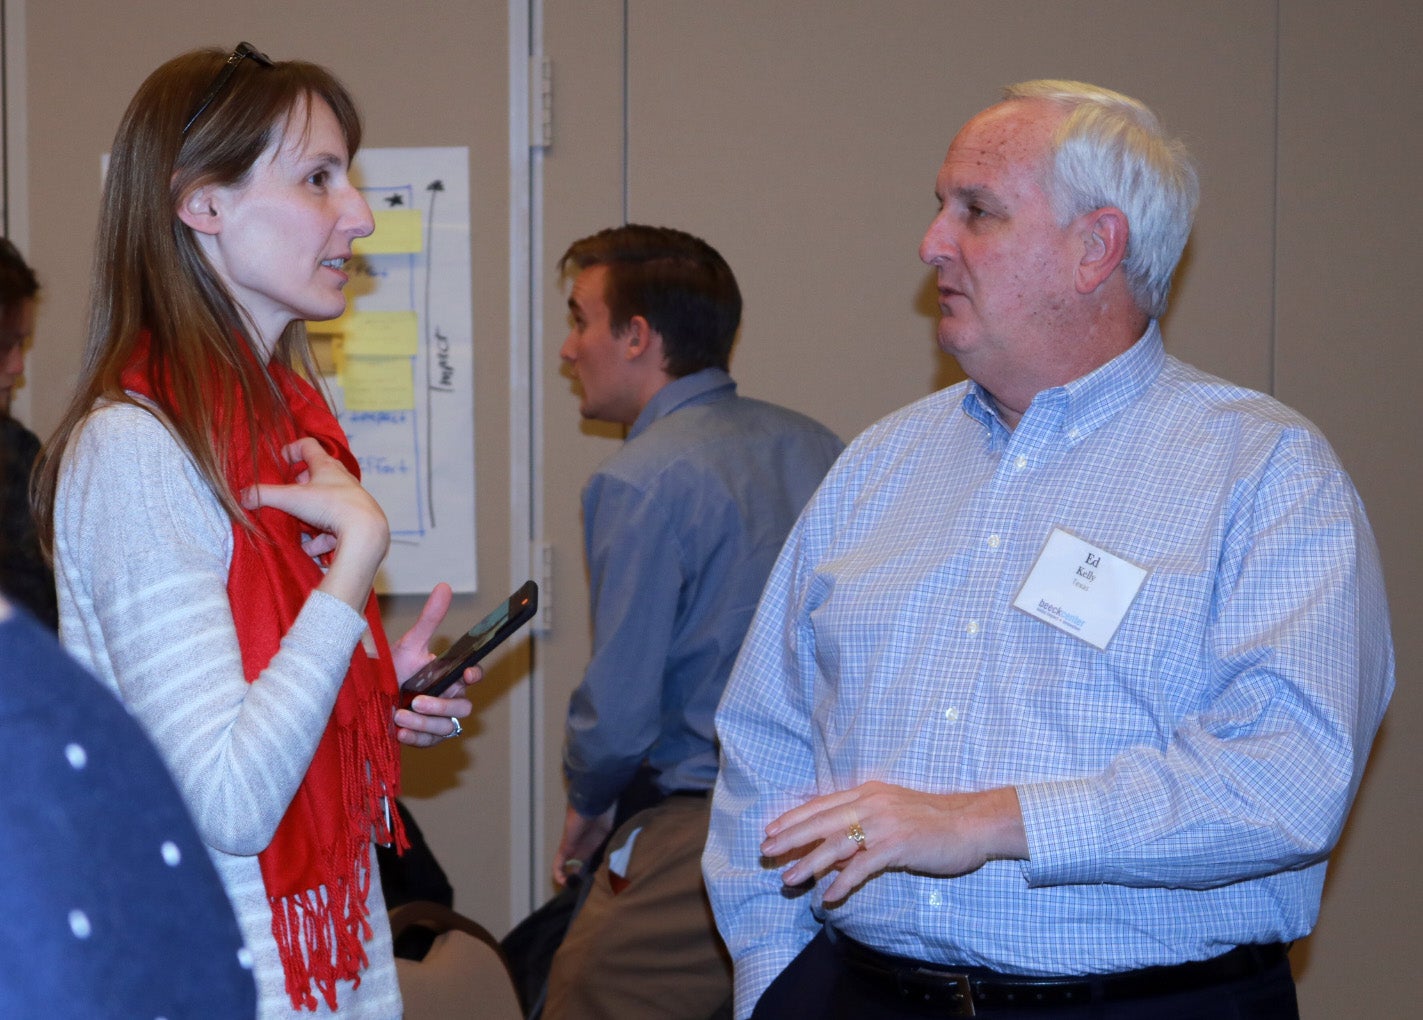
650,949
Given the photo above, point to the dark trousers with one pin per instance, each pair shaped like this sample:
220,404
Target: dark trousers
817,986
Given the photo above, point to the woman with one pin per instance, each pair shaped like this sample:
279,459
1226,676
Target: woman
24,574
195,483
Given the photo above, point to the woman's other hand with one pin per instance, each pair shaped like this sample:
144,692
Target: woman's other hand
347,521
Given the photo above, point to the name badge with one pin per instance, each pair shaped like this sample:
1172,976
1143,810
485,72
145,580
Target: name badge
1080,589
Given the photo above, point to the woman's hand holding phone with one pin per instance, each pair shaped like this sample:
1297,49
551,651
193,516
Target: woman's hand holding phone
427,720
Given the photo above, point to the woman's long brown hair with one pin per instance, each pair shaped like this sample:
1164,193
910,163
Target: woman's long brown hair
151,276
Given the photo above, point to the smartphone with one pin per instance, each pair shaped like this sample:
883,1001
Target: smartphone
439,673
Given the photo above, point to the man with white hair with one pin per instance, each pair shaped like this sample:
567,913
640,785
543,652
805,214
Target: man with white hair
1062,687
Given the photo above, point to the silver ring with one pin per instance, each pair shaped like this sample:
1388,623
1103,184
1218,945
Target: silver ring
457,730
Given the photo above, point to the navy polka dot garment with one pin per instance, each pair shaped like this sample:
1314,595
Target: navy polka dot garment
109,906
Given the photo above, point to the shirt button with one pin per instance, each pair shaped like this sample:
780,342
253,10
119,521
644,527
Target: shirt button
1020,462
994,541
936,898
1073,433
972,627
951,714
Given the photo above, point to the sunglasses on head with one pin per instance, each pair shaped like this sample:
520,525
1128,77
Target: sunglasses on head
244,50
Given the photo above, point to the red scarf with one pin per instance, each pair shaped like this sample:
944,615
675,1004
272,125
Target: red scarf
317,868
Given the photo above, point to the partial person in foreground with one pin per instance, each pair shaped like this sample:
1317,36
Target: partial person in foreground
24,574
1064,683
109,905
681,527
214,549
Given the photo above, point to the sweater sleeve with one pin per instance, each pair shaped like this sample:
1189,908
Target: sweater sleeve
142,550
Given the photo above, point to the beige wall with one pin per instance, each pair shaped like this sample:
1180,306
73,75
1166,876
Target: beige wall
1349,237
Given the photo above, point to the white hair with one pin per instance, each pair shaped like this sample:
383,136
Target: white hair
1111,150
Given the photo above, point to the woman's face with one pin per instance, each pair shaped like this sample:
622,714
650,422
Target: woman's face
280,240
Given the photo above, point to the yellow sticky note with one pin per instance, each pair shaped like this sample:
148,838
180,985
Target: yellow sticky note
378,384
398,232
381,334
324,352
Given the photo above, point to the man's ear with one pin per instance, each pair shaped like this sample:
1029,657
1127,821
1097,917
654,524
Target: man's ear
1104,245
642,341
199,211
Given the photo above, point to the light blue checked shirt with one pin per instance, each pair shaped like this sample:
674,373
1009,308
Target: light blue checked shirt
1180,789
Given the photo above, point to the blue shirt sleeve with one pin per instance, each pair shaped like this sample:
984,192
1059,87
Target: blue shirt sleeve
635,566
1261,779
767,768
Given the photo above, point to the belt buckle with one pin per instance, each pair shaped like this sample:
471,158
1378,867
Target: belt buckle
947,989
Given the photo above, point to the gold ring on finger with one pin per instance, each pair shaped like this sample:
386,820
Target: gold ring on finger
857,836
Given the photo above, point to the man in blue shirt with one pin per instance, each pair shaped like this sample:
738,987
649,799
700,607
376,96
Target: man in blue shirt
1062,687
681,527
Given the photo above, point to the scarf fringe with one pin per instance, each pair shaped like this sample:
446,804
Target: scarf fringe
321,939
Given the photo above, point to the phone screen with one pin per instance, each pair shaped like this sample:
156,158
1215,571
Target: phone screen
442,671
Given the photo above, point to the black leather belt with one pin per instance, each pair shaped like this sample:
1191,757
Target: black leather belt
968,991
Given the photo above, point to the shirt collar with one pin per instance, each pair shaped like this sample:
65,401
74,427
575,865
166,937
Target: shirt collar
1084,404
704,387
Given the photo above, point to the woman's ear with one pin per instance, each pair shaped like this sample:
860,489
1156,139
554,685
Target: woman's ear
199,211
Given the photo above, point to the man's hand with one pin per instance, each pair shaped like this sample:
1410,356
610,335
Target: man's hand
581,838
933,833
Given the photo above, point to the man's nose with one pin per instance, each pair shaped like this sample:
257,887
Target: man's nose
937,244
